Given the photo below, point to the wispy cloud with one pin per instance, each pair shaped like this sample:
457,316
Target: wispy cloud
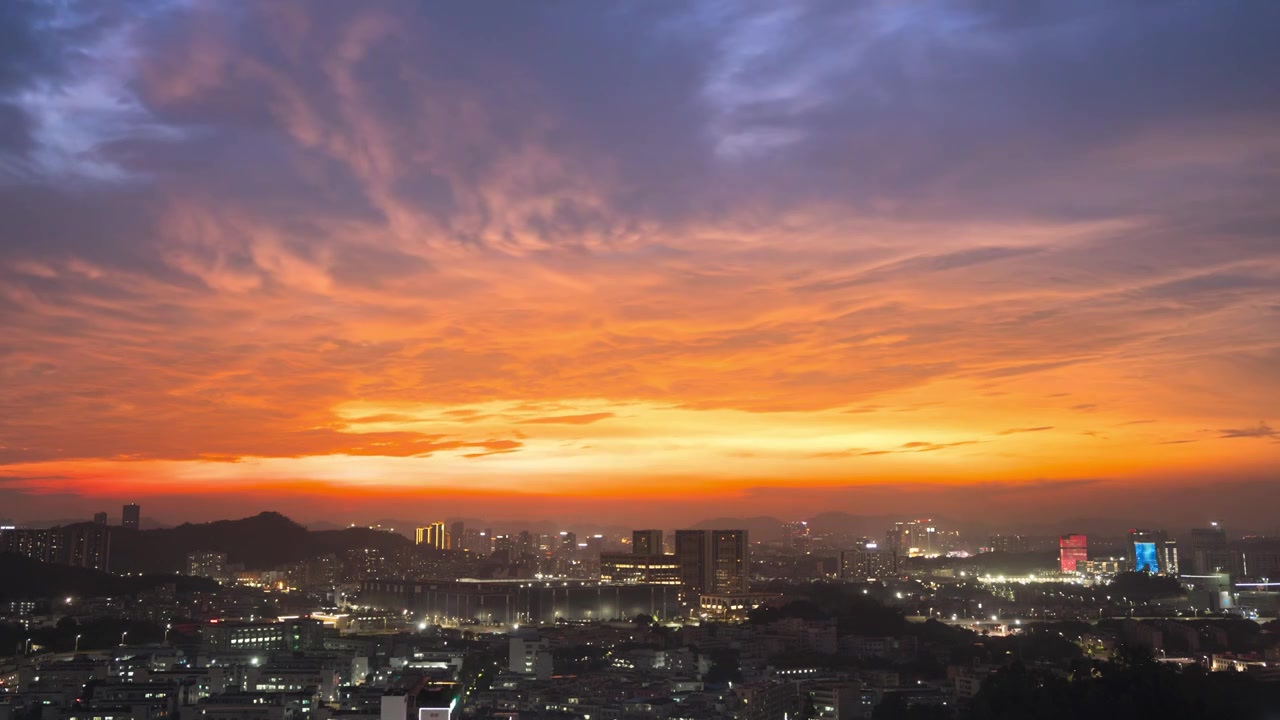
1261,430
1015,431
584,419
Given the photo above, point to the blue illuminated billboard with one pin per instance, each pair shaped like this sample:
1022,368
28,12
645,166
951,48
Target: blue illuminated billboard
1144,554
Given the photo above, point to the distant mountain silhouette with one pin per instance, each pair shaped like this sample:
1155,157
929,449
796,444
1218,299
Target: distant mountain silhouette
263,541
761,528
25,578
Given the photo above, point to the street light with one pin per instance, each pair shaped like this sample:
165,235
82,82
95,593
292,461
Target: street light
77,644
126,632
167,628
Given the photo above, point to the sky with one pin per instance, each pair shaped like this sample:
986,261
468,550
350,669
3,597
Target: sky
640,262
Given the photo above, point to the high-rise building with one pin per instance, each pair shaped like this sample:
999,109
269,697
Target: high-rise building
524,544
503,549
1008,543
476,541
693,553
100,518
713,561
1153,552
1210,553
434,536
646,542
88,545
42,545
731,558
913,538
1072,550
797,536
868,561
131,516
457,530
207,564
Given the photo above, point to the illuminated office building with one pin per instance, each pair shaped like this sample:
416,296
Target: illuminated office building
634,568
713,561
1153,552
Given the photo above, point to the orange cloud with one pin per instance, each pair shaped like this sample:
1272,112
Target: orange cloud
334,264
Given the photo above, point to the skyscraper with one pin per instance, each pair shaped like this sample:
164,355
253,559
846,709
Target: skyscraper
131,516
693,552
1072,550
731,561
646,542
88,545
1209,551
503,549
434,535
868,561
913,538
100,518
457,531
713,561
1152,551
797,535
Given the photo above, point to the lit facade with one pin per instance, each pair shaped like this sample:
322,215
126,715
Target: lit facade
207,564
868,562
1072,550
713,561
913,538
434,535
632,568
1153,552
296,635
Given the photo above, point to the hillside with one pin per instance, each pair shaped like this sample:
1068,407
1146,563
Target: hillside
259,542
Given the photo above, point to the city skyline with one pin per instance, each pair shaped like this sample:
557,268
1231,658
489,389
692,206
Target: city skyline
648,263
893,532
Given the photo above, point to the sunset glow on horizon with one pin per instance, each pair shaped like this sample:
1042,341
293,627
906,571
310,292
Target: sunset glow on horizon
649,261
